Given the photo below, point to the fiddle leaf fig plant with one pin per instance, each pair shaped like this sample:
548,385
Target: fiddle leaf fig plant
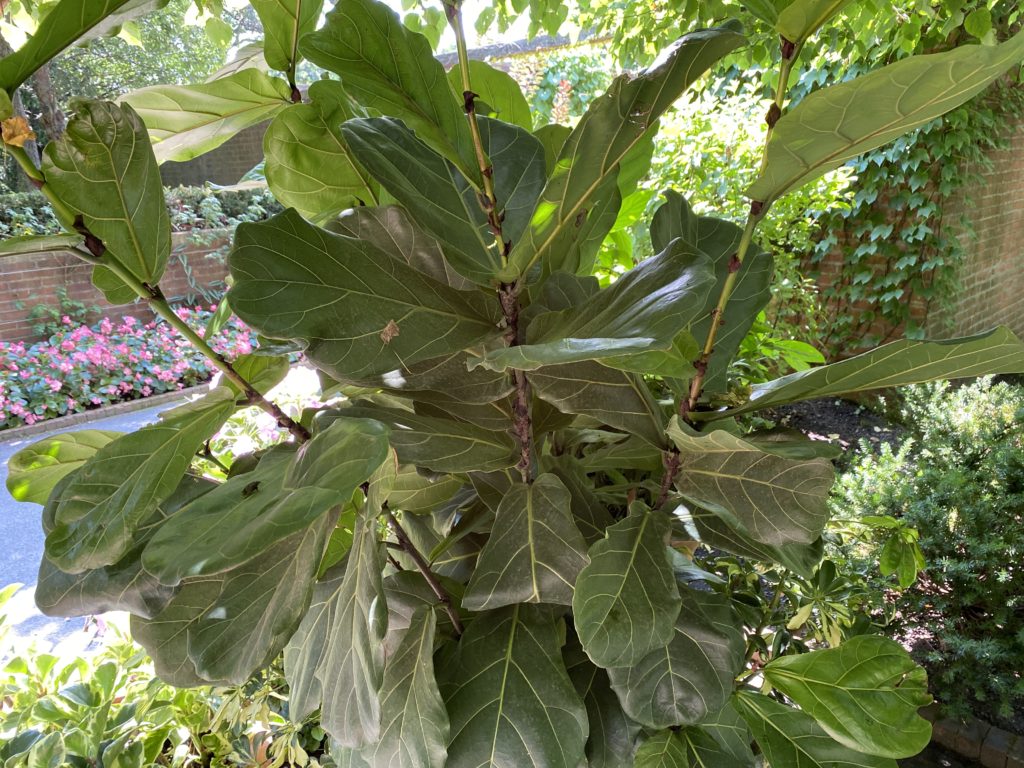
478,551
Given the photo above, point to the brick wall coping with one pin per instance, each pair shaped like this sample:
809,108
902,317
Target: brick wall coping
977,740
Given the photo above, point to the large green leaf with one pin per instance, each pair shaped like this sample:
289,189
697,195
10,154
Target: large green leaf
186,121
626,600
691,678
443,445
535,551
717,532
584,173
252,511
103,169
498,92
695,746
390,228
121,486
414,723
309,166
360,312
509,698
352,667
718,239
284,22
642,311
263,602
391,69
802,18
33,471
591,516
610,743
436,195
307,648
775,500
840,122
892,365
789,737
67,23
123,586
165,636
865,694
613,397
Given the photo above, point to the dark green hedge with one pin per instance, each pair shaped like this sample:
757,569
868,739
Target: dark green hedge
191,208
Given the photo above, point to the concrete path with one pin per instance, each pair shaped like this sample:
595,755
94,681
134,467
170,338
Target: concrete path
22,540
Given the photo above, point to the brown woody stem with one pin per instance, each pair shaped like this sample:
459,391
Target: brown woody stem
424,568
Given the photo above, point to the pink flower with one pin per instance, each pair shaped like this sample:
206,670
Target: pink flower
55,385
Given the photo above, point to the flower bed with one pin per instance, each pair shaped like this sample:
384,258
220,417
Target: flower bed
82,367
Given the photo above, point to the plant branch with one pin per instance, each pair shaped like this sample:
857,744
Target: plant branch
99,255
758,208
424,568
508,293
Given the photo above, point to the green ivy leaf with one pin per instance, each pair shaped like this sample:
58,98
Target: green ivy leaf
865,694
361,313
509,697
691,677
535,551
626,600
872,110
284,22
121,486
583,181
892,365
789,737
186,121
642,311
34,471
775,500
309,166
978,22
388,68
103,169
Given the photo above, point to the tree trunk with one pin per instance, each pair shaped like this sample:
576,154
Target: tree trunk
51,116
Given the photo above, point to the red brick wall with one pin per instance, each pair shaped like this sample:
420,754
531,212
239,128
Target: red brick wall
993,273
31,280
991,277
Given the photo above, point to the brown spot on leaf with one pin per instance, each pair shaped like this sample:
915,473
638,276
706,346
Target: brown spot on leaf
16,131
390,331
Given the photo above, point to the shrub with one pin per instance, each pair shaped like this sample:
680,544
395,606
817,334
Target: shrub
109,708
960,482
81,367
191,208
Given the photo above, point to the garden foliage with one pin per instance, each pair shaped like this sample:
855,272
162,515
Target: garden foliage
959,481
83,366
477,556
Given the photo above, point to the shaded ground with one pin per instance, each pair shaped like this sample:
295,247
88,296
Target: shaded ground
937,757
839,421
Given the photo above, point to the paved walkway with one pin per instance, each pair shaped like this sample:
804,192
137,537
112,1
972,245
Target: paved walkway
22,537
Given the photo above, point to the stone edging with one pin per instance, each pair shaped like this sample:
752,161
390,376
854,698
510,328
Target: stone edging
95,414
977,740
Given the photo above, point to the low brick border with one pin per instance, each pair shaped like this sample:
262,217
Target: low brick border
95,414
977,740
